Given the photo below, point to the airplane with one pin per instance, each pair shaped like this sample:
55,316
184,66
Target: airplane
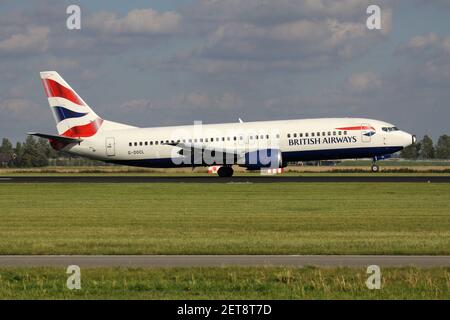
257,145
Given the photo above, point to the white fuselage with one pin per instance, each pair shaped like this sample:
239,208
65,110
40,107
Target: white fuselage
298,140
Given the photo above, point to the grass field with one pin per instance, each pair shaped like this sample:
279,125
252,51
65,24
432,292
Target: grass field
284,218
225,283
347,167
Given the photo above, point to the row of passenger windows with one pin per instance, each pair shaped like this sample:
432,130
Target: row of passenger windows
201,140
316,134
255,137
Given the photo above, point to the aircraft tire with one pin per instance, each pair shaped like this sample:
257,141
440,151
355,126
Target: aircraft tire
225,172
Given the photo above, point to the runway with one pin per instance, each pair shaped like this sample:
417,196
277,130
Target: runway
224,260
215,179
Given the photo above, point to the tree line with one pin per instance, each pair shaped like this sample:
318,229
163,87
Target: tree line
37,152
426,149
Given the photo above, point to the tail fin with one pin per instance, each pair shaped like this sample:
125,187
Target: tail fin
74,118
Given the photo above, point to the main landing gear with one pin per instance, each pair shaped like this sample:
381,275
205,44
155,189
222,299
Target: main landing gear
375,168
225,172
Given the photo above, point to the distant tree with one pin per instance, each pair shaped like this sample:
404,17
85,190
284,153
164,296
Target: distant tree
46,148
443,147
6,146
426,148
17,162
6,152
33,154
411,151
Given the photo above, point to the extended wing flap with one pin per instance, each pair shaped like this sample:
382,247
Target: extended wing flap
202,148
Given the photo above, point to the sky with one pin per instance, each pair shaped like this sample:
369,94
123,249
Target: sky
170,62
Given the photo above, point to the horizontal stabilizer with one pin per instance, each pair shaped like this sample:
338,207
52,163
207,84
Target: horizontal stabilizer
57,142
51,137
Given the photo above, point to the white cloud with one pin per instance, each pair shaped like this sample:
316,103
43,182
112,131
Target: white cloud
295,35
203,100
33,40
423,41
192,101
430,55
137,21
137,105
431,43
16,106
363,82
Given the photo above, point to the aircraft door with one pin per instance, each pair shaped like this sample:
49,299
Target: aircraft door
110,147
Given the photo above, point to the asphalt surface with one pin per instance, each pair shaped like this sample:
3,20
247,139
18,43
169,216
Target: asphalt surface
215,179
224,260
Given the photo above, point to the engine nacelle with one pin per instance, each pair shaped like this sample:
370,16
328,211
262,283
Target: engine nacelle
264,158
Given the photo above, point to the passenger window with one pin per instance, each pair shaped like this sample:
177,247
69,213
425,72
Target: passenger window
295,135
312,134
130,144
140,143
301,135
146,143
151,143
156,143
329,133
345,133
278,136
267,136
307,134
340,133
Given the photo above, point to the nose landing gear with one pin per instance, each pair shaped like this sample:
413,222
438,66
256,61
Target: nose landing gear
374,168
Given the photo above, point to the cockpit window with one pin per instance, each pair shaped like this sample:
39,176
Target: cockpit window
389,129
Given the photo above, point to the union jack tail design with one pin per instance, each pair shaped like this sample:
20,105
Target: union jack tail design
74,118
